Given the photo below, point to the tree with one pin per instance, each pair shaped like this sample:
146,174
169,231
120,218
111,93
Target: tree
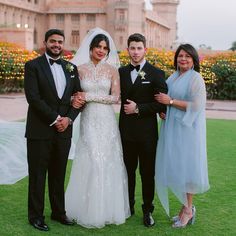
233,48
204,46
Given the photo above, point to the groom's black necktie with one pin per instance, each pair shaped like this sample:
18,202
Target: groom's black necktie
132,67
58,61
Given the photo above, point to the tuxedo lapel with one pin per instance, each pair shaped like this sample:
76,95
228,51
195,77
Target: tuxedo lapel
138,81
127,78
146,69
68,78
46,69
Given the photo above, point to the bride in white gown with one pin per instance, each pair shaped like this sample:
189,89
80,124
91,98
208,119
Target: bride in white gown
97,193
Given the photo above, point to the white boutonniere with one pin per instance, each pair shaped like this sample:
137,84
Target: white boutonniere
142,74
72,76
69,67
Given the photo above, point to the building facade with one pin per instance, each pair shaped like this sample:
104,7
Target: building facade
25,21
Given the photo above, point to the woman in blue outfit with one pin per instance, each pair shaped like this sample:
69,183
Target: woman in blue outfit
181,163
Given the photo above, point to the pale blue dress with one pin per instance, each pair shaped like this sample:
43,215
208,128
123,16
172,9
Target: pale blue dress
181,162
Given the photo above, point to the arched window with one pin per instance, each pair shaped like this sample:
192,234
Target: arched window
75,37
35,36
5,18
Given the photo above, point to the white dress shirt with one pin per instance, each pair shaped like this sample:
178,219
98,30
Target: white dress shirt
134,73
58,76
59,80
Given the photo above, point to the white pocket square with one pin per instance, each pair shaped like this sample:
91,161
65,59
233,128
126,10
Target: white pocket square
145,82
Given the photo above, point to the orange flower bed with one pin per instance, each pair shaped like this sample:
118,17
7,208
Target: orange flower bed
13,58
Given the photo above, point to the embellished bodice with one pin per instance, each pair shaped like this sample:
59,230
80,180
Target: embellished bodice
100,82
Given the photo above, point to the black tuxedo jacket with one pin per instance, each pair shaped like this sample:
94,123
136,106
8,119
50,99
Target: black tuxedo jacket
142,126
44,103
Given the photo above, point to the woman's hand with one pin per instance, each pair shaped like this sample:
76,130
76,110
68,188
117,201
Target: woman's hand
162,115
162,98
78,99
80,95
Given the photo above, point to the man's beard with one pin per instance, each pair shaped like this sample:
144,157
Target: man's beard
138,61
51,54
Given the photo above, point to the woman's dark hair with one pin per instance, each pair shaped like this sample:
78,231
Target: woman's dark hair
136,38
97,39
53,31
188,48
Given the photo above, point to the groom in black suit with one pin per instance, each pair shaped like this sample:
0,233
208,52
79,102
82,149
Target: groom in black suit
49,84
138,121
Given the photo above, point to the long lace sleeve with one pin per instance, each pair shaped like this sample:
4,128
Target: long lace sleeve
114,95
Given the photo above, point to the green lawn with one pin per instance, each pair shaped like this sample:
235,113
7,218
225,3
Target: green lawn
216,209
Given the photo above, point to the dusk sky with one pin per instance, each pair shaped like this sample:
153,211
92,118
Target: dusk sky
209,22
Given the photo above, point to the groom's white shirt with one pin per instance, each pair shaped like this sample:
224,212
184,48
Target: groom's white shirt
59,80
58,76
134,73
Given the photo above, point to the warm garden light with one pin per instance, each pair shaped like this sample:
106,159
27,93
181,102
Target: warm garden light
26,26
216,69
18,25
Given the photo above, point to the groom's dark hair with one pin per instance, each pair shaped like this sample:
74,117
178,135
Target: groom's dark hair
137,38
53,31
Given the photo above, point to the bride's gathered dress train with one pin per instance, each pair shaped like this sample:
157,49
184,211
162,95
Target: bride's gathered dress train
13,154
97,193
13,159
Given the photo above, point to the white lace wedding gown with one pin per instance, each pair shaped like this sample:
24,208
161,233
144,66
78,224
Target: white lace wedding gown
97,193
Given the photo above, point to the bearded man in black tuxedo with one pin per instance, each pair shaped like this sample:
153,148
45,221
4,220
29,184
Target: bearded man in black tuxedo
140,81
49,84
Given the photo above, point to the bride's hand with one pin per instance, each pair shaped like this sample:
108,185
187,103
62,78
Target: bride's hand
78,100
80,95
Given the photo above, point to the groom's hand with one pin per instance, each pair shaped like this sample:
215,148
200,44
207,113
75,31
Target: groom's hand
130,107
62,124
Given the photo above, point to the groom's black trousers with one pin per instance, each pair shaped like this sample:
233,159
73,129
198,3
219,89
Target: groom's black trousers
47,156
144,154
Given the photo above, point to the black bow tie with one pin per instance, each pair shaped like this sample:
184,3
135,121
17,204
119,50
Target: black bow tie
58,61
132,67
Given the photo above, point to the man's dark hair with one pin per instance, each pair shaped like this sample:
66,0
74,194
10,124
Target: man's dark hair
53,31
137,38
192,52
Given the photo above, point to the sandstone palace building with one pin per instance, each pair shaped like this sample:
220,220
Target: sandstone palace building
25,21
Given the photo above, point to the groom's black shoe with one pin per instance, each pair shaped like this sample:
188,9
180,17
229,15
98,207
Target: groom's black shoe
40,225
62,219
148,221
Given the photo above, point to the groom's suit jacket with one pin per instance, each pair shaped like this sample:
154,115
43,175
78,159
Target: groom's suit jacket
142,126
44,103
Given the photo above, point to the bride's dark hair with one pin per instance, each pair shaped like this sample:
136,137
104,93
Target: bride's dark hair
97,39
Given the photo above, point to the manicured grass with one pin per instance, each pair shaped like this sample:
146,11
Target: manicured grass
216,209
